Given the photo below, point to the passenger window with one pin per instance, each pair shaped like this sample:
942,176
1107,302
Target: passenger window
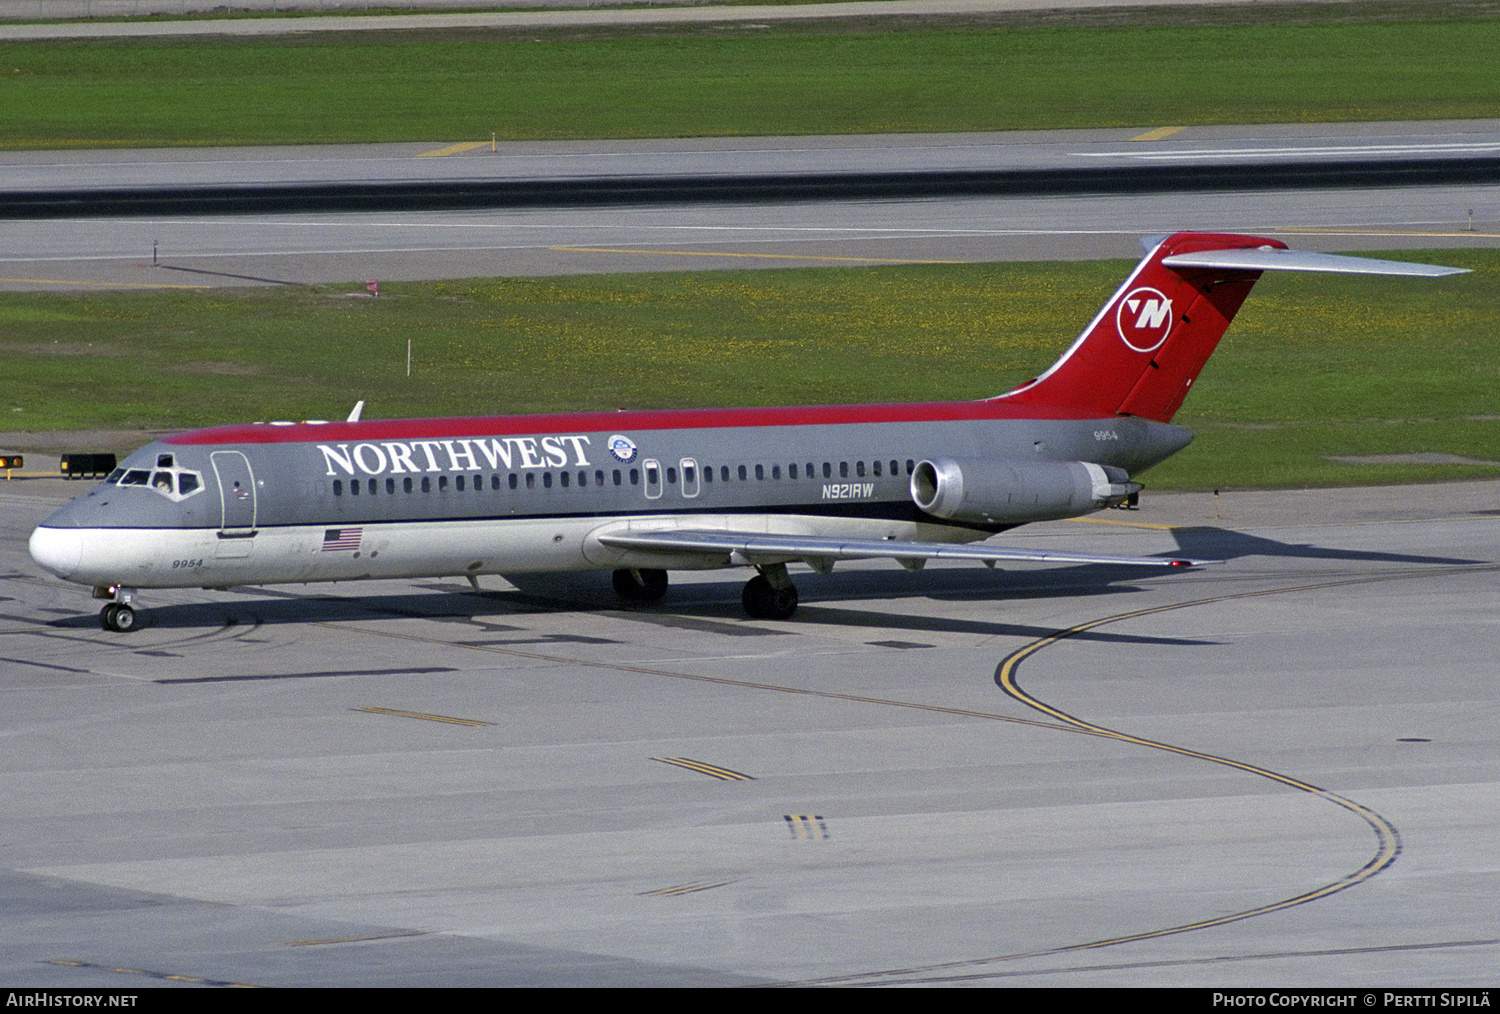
671,475
531,480
760,472
791,470
390,485
513,481
599,477
564,479
458,483
618,478
724,473
859,469
635,477
338,487
653,478
742,473
546,480
843,469
827,470
426,484
406,484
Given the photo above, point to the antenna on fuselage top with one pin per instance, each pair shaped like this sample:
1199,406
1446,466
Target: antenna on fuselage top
359,406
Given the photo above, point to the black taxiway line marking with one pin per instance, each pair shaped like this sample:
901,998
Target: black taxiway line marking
312,675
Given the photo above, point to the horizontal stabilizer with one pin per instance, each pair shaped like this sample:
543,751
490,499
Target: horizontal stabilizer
761,549
1278,259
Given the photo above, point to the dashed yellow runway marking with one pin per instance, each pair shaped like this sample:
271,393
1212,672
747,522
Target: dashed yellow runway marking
713,771
752,256
1158,133
454,149
149,973
1158,526
429,718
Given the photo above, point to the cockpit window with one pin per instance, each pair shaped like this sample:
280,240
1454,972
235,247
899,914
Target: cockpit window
171,481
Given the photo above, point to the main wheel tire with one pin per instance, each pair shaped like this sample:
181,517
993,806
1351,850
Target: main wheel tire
765,602
117,617
640,585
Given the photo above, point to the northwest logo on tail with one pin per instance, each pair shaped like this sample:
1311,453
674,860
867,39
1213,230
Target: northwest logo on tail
1144,319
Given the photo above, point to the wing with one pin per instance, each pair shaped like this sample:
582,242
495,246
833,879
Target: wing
820,554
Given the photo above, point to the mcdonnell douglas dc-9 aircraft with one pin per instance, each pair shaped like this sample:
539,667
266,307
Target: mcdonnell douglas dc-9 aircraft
642,493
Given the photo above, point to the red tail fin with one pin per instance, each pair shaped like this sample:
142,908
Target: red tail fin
1145,348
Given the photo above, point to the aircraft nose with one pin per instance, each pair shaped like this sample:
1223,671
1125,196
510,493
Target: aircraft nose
57,549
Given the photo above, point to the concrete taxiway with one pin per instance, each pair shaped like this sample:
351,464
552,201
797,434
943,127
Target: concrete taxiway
1278,771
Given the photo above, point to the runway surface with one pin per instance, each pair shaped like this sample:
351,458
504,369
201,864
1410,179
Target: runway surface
324,247
1280,771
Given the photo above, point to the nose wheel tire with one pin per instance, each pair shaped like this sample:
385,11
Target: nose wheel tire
766,602
117,617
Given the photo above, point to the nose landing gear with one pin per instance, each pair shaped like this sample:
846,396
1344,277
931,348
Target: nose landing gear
118,616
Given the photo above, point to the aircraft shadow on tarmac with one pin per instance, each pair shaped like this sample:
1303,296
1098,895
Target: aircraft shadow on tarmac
703,607
1206,542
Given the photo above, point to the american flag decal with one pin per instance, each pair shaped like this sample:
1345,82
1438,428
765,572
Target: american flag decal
336,539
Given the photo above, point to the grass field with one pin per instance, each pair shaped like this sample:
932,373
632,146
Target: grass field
739,81
1313,366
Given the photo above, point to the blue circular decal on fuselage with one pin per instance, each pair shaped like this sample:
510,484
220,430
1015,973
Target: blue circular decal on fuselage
622,447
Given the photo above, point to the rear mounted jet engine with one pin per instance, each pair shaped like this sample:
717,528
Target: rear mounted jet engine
998,492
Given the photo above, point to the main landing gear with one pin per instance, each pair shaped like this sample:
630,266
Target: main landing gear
640,585
770,595
118,616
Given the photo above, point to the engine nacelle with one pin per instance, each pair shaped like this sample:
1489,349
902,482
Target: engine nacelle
1013,492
